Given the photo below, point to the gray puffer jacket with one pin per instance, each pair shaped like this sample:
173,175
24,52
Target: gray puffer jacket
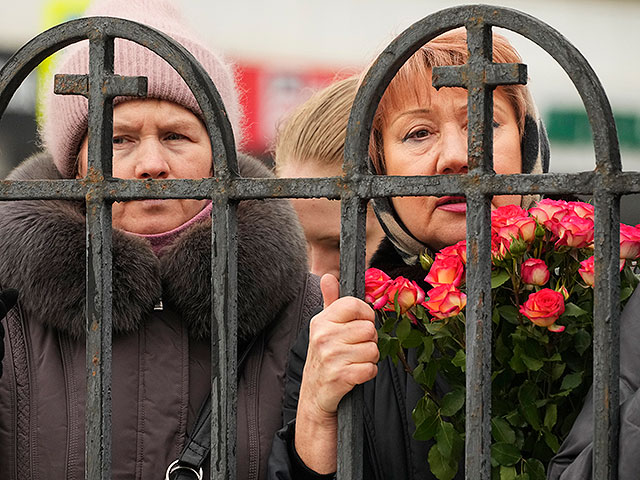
574,459
161,358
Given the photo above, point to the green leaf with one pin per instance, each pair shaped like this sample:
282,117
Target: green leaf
572,310
501,431
582,341
404,329
531,363
523,476
552,441
505,453
413,340
388,346
509,313
498,277
430,373
625,292
459,360
531,415
516,362
443,468
507,473
557,370
445,438
535,469
427,351
495,316
551,416
425,417
571,381
389,323
452,402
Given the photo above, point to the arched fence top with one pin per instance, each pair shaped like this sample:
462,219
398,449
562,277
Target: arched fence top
106,29
394,56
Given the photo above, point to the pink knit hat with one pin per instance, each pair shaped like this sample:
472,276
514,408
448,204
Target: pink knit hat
65,118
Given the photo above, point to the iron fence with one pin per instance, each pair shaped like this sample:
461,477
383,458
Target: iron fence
480,76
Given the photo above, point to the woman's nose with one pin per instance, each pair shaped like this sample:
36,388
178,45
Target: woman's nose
452,157
152,160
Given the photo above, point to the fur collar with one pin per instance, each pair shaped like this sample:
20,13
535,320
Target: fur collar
42,254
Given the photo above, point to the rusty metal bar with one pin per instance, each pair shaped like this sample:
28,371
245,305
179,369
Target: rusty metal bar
352,262
606,335
224,344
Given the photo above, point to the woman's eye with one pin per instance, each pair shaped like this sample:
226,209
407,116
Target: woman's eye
118,140
174,136
495,124
417,134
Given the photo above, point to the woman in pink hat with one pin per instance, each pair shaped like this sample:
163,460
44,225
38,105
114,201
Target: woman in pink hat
161,281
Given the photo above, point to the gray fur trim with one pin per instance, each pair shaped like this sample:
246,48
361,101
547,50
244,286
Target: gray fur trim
42,254
272,263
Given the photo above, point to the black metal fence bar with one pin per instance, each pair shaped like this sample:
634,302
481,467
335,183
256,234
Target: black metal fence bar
224,344
607,183
352,261
583,183
606,335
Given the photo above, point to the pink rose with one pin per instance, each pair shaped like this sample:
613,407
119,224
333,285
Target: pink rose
445,301
574,231
503,216
526,228
457,250
547,210
407,291
446,271
586,271
535,272
581,209
544,307
375,287
629,241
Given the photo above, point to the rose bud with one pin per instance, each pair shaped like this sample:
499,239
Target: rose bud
586,271
544,307
408,293
445,301
535,272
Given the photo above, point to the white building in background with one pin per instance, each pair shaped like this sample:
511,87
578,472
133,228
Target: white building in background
286,46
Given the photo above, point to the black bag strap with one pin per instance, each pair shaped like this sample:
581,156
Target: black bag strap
189,464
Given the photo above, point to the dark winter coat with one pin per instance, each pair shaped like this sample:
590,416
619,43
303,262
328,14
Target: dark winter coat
161,358
390,451
574,459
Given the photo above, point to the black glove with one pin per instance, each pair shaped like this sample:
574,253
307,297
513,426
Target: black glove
8,299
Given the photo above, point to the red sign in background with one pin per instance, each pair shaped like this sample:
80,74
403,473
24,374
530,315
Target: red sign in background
269,94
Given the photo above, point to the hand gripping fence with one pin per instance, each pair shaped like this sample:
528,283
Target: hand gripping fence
480,76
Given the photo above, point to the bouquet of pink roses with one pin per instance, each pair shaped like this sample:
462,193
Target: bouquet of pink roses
542,279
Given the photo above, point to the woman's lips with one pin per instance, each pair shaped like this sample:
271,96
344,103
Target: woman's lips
452,204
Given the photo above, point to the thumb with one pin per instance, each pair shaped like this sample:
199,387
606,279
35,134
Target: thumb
330,289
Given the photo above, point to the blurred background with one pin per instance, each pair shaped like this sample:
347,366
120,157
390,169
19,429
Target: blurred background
286,49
